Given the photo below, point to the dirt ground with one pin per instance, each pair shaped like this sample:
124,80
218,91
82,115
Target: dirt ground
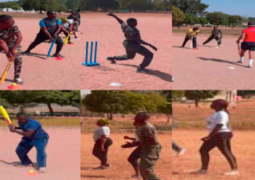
121,169
62,162
155,29
208,67
190,139
39,73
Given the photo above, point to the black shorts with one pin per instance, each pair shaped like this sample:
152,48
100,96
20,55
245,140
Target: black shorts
248,46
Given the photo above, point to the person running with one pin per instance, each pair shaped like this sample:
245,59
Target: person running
67,27
191,35
33,135
135,155
180,151
10,39
50,28
133,45
217,35
220,137
248,43
150,147
102,143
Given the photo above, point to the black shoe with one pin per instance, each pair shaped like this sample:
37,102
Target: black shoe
112,59
142,70
26,53
58,55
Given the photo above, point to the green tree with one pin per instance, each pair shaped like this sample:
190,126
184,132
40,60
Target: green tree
162,5
178,16
217,18
191,19
16,7
199,95
73,4
24,98
203,21
178,94
235,20
190,6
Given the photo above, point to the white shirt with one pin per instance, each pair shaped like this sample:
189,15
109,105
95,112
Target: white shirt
101,131
220,117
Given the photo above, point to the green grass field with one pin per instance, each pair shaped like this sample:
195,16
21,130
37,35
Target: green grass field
52,122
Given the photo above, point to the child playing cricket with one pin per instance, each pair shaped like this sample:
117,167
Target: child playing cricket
50,28
135,155
150,147
133,45
67,28
33,135
191,36
102,143
248,43
10,39
220,136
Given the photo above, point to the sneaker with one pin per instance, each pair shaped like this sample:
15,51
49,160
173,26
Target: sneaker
181,152
77,38
58,55
232,173
239,62
142,70
112,59
18,81
42,170
100,168
108,165
19,164
201,171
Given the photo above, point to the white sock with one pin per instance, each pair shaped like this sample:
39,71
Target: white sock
250,63
242,59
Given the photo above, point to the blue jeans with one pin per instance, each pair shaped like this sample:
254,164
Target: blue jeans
26,145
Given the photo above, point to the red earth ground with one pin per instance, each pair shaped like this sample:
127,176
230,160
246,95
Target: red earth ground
155,29
39,73
208,67
63,153
242,146
121,169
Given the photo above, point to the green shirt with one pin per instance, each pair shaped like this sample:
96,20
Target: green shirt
146,132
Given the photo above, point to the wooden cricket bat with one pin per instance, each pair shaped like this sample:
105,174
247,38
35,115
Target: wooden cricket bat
5,115
5,72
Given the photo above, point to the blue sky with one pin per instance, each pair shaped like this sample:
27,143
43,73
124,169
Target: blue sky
233,7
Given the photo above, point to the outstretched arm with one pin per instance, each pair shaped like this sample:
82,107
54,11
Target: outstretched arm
137,39
116,17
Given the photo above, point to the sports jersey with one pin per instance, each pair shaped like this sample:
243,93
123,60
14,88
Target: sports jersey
249,34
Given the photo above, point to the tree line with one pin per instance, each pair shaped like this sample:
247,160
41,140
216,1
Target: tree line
192,12
130,5
43,5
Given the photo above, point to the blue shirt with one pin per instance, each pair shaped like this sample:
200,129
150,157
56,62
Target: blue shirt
34,125
50,24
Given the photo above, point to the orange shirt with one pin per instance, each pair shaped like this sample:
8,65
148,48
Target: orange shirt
249,34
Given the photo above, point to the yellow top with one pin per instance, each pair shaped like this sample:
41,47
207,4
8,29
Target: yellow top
192,33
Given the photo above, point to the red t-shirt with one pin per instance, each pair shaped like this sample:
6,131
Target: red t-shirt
249,34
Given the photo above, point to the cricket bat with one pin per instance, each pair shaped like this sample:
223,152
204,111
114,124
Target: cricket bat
66,41
5,72
5,115
51,47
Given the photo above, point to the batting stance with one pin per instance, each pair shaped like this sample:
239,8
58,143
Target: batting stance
248,43
191,35
150,147
217,35
220,136
133,45
33,136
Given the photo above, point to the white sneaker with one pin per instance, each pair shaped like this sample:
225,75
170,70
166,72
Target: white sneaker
18,81
42,170
181,152
201,171
77,38
232,173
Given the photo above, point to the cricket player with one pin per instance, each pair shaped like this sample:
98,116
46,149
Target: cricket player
50,28
217,35
10,39
33,135
150,147
191,35
133,45
248,43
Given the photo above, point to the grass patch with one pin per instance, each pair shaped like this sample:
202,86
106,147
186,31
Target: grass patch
57,122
